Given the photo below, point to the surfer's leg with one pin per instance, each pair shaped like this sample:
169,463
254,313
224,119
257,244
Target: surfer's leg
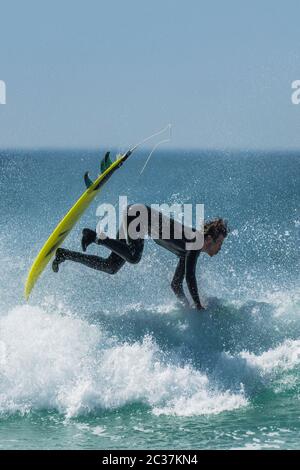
128,249
131,251
109,265
88,237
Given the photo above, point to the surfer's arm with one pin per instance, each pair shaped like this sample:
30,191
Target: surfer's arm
177,282
190,276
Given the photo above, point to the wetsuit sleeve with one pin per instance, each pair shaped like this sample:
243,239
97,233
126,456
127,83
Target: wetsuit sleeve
190,276
177,282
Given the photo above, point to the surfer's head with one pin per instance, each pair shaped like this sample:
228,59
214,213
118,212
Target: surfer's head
215,232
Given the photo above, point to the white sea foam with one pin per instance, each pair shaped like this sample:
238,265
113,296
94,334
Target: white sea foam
98,430
51,361
284,301
284,357
203,402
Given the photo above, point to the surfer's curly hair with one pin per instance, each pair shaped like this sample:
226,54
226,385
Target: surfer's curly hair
215,228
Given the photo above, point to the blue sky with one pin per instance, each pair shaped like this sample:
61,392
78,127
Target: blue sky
108,73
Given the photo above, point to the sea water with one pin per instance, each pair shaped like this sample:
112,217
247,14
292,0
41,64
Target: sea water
95,361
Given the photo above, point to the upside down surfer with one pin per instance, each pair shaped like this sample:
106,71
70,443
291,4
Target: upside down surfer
128,248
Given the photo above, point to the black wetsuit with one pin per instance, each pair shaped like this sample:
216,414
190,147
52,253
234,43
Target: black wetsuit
125,248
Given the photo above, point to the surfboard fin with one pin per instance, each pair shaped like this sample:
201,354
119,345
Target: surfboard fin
87,180
105,162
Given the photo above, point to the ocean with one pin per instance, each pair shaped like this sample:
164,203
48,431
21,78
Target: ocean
94,361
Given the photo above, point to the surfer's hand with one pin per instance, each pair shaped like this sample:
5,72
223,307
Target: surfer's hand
198,306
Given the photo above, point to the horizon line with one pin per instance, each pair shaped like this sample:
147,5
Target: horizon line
146,149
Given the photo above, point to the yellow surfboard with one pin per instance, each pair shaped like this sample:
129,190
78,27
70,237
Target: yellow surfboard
67,223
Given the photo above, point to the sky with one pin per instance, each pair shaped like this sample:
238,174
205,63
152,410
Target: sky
93,73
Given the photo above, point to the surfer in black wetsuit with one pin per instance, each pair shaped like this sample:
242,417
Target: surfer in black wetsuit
129,244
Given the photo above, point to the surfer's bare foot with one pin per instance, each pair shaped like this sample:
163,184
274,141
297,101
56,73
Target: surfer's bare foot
88,237
59,258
